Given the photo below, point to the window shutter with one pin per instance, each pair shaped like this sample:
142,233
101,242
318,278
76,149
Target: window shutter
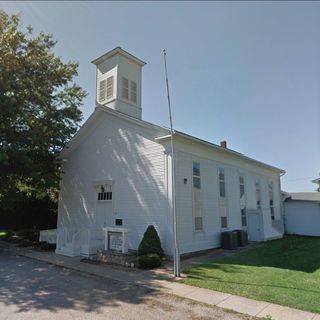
102,90
125,88
133,91
110,87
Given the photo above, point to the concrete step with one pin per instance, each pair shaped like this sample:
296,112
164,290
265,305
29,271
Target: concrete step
68,245
67,250
68,253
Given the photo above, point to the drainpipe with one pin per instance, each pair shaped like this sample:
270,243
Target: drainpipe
282,209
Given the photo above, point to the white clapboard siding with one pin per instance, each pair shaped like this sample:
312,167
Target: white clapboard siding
302,217
127,153
209,237
118,150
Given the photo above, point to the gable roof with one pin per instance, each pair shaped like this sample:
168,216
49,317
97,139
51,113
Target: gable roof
118,50
222,149
89,123
162,130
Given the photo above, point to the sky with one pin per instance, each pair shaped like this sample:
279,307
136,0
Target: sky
245,72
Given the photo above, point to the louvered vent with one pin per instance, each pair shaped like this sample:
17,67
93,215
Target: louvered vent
133,91
125,88
110,87
102,90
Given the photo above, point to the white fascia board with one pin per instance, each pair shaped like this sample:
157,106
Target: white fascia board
118,50
126,117
81,133
215,146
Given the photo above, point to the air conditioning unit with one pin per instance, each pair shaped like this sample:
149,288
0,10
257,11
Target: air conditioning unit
242,237
229,240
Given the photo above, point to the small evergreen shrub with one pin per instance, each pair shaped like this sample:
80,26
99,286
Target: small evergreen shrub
149,261
150,243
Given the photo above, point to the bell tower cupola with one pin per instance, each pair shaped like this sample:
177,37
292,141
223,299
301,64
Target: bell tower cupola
118,82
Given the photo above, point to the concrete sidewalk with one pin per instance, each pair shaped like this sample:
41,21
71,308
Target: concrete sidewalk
163,281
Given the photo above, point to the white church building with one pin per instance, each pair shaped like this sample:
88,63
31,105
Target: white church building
116,178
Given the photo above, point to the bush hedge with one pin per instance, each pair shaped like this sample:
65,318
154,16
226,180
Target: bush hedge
29,234
27,212
150,243
148,261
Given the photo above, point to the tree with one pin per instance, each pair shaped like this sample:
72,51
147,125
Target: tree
39,108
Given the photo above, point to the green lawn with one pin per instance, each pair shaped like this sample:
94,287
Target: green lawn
285,271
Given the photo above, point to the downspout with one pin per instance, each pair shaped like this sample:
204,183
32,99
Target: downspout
282,208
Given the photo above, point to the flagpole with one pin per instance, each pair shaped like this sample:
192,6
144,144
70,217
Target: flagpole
176,256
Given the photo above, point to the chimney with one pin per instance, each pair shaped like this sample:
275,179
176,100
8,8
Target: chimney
223,144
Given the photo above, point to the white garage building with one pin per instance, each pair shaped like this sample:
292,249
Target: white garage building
302,213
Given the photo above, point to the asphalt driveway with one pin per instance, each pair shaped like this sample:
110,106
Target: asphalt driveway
31,289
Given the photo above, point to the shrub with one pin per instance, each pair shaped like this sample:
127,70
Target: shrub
148,261
45,246
23,211
29,234
150,243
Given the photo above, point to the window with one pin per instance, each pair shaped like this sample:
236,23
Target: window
270,190
197,196
242,201
222,198
105,193
125,88
110,87
102,90
258,194
133,91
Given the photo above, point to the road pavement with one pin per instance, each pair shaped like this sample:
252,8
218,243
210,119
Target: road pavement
35,290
